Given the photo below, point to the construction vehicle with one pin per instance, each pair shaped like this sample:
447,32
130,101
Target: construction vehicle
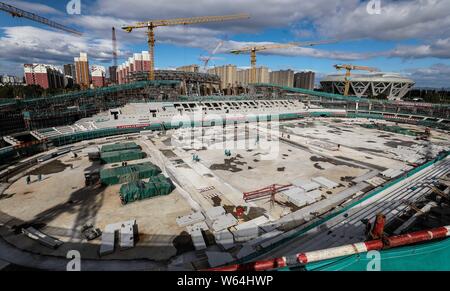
256,48
424,136
16,12
152,24
349,69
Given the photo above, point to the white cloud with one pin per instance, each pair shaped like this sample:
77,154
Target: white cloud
437,75
423,20
33,7
26,44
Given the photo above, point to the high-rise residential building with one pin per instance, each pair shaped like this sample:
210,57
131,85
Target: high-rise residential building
139,62
282,78
304,80
68,82
69,70
113,74
262,76
46,76
98,74
227,74
190,69
82,70
10,80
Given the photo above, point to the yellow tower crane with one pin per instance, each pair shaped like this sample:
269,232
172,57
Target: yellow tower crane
253,49
349,69
152,24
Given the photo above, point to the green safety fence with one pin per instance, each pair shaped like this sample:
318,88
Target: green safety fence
139,190
432,256
128,174
121,156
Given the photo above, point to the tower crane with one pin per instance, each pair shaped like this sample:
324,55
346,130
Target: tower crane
16,12
207,59
152,24
256,48
349,69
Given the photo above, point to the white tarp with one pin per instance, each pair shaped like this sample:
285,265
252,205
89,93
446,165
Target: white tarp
327,183
306,185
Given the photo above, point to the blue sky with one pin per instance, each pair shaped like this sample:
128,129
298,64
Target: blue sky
407,37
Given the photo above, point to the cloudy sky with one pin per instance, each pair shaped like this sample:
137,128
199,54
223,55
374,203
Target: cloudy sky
410,37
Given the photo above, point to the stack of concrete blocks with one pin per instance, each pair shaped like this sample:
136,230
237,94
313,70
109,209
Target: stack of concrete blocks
306,185
219,222
224,239
195,224
195,231
392,173
248,230
128,234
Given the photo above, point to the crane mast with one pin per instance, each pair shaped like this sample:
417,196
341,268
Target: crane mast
349,68
152,24
254,49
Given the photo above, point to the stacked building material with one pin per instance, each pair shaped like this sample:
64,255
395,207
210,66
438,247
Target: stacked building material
120,147
121,156
139,190
128,234
128,174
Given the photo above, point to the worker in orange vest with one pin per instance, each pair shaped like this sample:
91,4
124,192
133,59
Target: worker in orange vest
377,231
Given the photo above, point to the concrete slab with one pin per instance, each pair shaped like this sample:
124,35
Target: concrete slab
324,182
197,239
306,185
198,226
193,218
225,239
224,222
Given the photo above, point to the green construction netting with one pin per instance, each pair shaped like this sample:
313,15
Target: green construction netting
128,174
387,128
433,256
139,190
120,147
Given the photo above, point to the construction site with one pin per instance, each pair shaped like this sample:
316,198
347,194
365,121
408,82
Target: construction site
171,171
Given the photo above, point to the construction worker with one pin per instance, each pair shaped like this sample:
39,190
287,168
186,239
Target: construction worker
377,231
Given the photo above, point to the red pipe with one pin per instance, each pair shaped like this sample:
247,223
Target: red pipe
315,256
